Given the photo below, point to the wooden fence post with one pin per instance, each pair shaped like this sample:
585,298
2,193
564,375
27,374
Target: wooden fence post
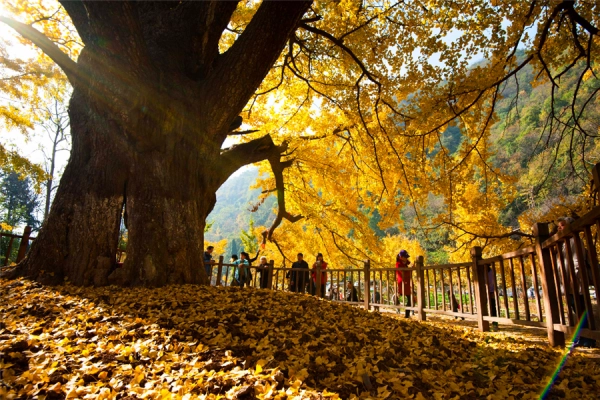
24,244
420,289
367,278
8,250
479,279
270,276
551,298
219,272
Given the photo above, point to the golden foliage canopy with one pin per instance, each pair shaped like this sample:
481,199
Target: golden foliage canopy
365,93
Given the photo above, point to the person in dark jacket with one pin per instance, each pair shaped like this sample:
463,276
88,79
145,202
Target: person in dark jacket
351,293
263,271
454,303
208,261
491,285
298,275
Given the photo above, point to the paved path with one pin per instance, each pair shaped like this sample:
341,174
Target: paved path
524,335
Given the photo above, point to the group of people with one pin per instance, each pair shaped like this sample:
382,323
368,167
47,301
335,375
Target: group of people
300,278
242,273
303,279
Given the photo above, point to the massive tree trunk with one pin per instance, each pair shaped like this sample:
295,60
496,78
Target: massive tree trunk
153,101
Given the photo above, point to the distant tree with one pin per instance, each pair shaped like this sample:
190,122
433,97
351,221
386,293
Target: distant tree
55,125
18,200
234,247
248,238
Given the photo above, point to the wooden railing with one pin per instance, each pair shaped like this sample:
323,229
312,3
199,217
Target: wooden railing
573,276
24,240
533,286
221,274
504,289
530,287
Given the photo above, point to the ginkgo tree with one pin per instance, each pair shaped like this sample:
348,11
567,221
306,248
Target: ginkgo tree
347,101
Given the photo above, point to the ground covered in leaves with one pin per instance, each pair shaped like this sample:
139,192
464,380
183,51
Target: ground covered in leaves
207,342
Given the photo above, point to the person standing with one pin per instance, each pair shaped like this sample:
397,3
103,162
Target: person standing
403,279
263,271
235,262
245,273
320,263
240,269
250,261
298,275
454,303
492,296
351,293
208,262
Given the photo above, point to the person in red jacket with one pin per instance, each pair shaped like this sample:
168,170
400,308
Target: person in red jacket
403,279
323,265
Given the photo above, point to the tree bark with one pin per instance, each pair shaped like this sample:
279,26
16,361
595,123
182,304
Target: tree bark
79,237
169,194
147,135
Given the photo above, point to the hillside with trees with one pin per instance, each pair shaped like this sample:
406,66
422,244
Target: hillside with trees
234,208
530,149
237,205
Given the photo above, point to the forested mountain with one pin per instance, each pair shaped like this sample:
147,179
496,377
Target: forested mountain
232,212
531,140
545,151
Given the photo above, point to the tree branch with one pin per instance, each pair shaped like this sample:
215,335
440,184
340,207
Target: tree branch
69,66
342,46
251,152
281,251
79,17
258,150
239,133
277,166
241,69
212,19
485,236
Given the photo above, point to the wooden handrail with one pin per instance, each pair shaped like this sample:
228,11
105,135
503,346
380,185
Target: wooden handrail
447,266
507,256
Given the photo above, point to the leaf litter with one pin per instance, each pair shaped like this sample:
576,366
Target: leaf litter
184,342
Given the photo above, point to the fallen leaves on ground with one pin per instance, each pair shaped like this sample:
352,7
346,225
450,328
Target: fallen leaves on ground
207,342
